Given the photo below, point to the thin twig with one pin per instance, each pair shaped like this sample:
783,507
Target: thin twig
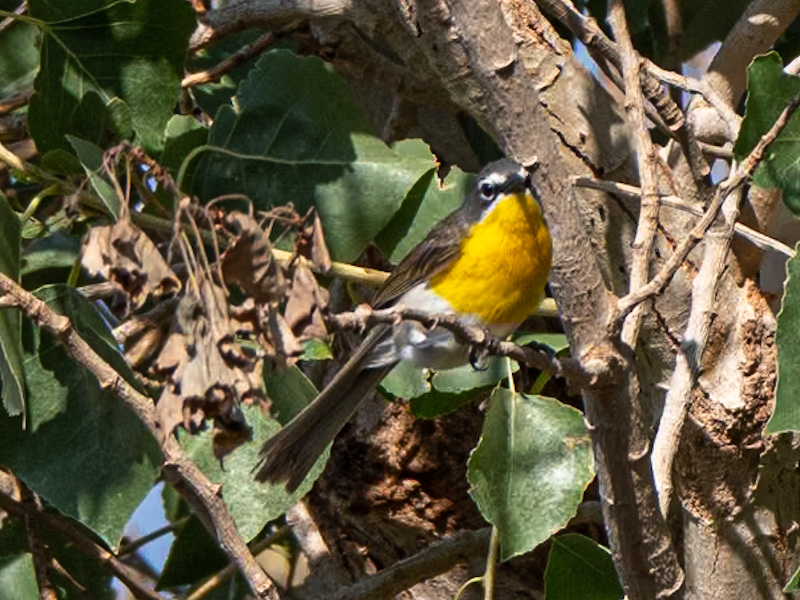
12,503
15,162
133,545
703,89
734,180
472,336
238,58
624,190
648,213
437,558
201,494
9,21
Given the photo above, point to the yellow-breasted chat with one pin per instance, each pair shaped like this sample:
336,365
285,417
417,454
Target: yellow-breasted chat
487,262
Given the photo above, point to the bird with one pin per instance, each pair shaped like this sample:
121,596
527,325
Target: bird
487,262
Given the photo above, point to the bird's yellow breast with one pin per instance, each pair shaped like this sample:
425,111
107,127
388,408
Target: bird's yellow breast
504,264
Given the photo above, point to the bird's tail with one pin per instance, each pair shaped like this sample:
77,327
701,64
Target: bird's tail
289,454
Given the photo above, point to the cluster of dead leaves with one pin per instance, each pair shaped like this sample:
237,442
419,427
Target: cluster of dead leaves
185,333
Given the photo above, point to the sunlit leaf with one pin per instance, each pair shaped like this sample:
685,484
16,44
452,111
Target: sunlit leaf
769,90
530,468
786,414
252,504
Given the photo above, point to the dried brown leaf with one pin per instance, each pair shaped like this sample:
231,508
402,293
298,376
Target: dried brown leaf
307,304
286,343
138,350
319,255
124,255
249,262
170,410
205,366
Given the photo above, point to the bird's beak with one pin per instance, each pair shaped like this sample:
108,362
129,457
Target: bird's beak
517,182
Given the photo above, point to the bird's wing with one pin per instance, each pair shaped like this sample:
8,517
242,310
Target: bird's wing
434,254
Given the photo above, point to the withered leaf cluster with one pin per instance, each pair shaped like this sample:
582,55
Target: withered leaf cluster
200,325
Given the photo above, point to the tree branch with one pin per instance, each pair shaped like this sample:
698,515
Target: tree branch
437,558
754,33
631,192
473,336
727,187
648,212
201,494
236,59
604,50
693,344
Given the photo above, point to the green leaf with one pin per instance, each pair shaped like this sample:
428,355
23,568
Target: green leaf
17,577
54,251
442,392
109,70
183,135
84,452
405,380
466,377
298,136
557,341
769,90
314,349
12,368
252,504
578,568
19,58
530,468
435,404
423,207
193,556
91,158
289,391
786,414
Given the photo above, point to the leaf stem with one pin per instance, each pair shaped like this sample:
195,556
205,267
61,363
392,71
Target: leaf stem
491,565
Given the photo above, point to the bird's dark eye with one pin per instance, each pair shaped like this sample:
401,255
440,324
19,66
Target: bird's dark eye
487,191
